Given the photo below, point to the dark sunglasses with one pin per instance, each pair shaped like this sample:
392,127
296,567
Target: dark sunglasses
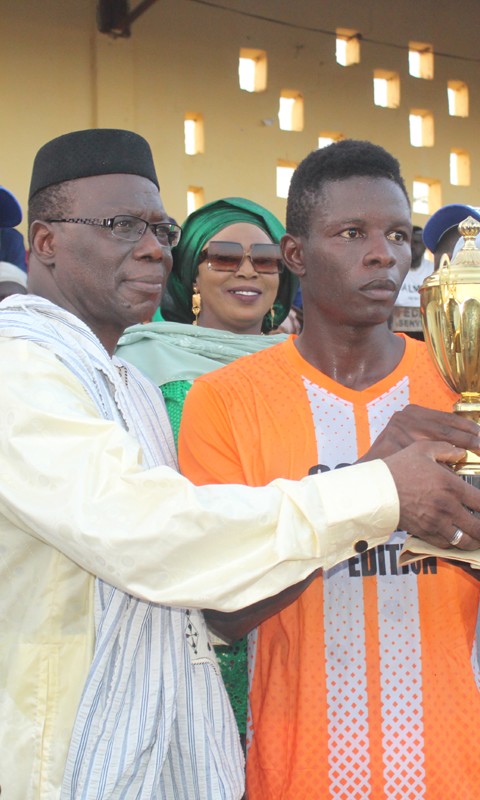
266,259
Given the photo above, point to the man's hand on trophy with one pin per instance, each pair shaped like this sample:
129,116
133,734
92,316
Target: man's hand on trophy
415,423
434,502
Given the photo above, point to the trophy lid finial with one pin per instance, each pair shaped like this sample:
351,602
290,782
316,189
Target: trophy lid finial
468,254
469,228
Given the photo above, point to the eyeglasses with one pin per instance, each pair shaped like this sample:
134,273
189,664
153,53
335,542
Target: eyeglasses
266,259
132,228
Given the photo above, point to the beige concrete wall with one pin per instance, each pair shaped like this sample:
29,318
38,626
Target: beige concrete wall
57,73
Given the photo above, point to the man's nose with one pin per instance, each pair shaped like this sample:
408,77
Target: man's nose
148,246
380,251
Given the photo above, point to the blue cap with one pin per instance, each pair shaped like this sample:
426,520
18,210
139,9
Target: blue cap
10,211
445,218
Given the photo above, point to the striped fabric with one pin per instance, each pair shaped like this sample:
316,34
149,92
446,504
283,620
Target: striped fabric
154,720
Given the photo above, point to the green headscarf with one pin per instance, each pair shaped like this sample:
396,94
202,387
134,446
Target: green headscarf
197,229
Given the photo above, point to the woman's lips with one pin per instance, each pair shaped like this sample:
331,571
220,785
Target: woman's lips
244,294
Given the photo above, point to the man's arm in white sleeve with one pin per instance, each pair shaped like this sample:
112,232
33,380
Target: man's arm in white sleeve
74,480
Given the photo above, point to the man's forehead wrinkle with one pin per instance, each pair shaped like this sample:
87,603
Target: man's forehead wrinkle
119,197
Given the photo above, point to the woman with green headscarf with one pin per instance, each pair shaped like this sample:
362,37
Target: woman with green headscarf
228,286
229,322
212,222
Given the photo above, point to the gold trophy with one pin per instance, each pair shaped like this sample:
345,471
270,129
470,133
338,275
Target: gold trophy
450,309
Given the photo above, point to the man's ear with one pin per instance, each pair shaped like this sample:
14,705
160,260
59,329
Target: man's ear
292,254
42,242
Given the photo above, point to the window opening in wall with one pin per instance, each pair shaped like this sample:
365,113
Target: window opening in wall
290,112
328,137
427,195
195,198
386,88
252,70
285,170
457,93
422,129
194,139
420,60
347,48
459,167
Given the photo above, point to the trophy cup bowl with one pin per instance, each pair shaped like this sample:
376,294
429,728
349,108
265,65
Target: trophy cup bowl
450,309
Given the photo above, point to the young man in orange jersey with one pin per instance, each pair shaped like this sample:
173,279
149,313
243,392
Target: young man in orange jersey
366,686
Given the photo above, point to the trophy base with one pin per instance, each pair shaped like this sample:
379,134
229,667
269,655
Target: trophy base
471,478
470,474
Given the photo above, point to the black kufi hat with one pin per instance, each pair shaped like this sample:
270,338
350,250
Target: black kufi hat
98,151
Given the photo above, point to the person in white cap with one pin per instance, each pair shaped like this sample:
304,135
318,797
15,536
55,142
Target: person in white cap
13,280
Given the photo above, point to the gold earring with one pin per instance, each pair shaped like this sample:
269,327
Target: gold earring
196,303
272,318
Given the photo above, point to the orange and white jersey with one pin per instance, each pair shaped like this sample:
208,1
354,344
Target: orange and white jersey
366,687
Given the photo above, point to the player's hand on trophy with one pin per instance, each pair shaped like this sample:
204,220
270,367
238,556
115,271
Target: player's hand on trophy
434,501
415,423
